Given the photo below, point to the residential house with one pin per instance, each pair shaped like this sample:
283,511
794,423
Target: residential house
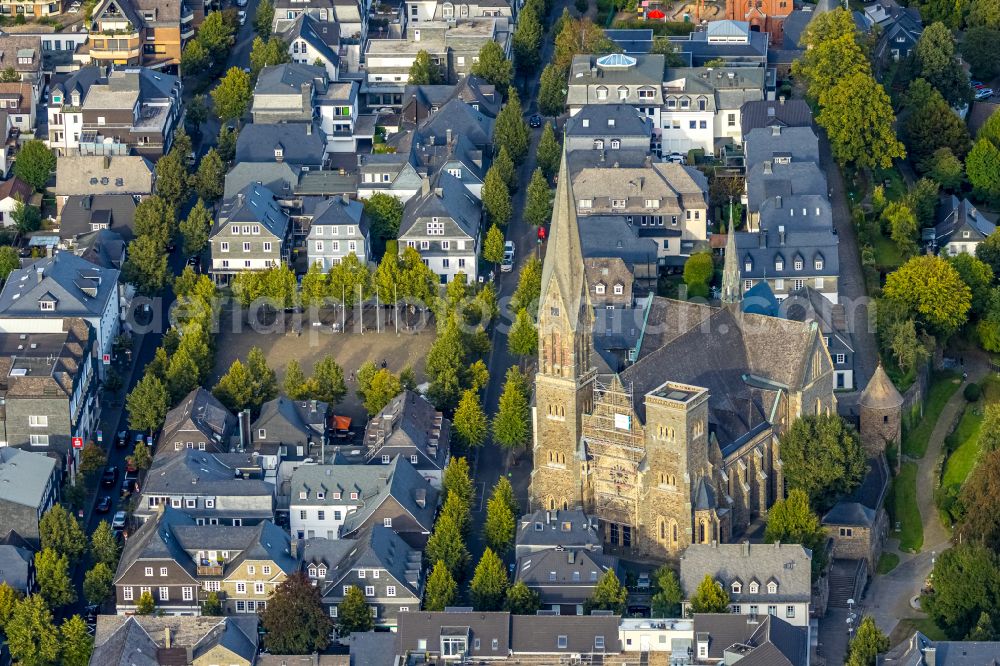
735,43
24,53
338,228
764,114
93,174
18,100
761,579
455,155
702,106
569,529
212,488
899,30
104,248
777,190
421,101
339,501
180,562
139,32
958,228
44,296
378,562
8,143
29,487
280,178
17,564
350,17
443,224
409,426
288,430
65,108
422,11
301,145
388,173
132,111
452,45
617,79
609,282
50,391
919,650
609,127
251,233
150,640
810,305
564,579
198,423
665,202
790,258
13,191
552,635
86,213
454,634
608,237
780,145
738,639
312,42
455,118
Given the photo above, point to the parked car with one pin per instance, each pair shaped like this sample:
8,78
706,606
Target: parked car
118,522
507,265
643,583
121,438
130,484
110,477
676,158
985,93
103,504
243,17
535,120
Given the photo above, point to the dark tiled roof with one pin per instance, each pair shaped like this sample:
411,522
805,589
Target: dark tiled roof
541,634
80,212
300,143
765,113
761,641
429,626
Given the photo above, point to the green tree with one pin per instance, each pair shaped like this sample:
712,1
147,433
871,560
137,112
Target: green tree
225,144
989,434
935,59
829,61
457,480
470,423
500,524
212,606
549,153
423,71
267,53
791,520
978,277
59,531
353,613
529,287
922,200
505,492
9,261
510,130
232,96
710,597
989,251
196,114
668,596
489,583
609,594
446,545
527,42
147,404
522,600
979,521
146,605
9,599
104,545
384,387
523,337
154,218
698,272
858,118
76,642
493,66
511,425
823,457
552,91
146,265
92,459
493,246
27,218
172,178
32,637
966,584
216,34
577,36
868,643
294,619
985,13
385,213
234,389
142,458
97,583
294,384
34,163
315,287
538,207
496,198
264,18
195,228
979,50
263,380
505,166
52,575
10,75
195,57
347,276
327,381
946,170
982,167
209,180
932,290
930,125
902,225
441,590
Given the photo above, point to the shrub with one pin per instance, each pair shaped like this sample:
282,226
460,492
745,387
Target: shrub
972,392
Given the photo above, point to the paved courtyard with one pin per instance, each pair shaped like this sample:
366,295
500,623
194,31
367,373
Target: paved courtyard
281,343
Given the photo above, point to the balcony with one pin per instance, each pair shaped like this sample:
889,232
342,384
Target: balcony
209,570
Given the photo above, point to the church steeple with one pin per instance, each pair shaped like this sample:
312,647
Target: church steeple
731,270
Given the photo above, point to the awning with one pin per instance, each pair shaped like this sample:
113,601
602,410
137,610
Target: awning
341,422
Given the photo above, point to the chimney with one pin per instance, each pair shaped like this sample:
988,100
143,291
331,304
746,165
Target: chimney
447,136
930,656
420,497
745,548
346,200
309,129
548,517
166,637
777,201
239,199
107,161
293,548
307,98
781,100
571,556
781,235
425,186
762,238
767,167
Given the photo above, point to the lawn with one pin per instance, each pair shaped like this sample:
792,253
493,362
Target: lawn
908,625
896,189
887,255
904,509
964,445
887,563
943,386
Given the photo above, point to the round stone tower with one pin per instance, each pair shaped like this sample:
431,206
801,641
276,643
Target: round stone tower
881,413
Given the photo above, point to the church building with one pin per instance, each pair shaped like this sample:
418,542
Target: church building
681,446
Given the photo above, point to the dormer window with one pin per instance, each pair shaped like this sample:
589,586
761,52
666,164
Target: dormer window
598,144
602,93
748,265
798,264
599,289
754,587
47,305
737,587
619,290
322,572
312,572
279,152
622,93
303,494
336,495
354,496
772,587
320,495
615,144
262,434
779,264
818,264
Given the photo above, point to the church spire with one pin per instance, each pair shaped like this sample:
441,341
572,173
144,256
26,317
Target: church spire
731,270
